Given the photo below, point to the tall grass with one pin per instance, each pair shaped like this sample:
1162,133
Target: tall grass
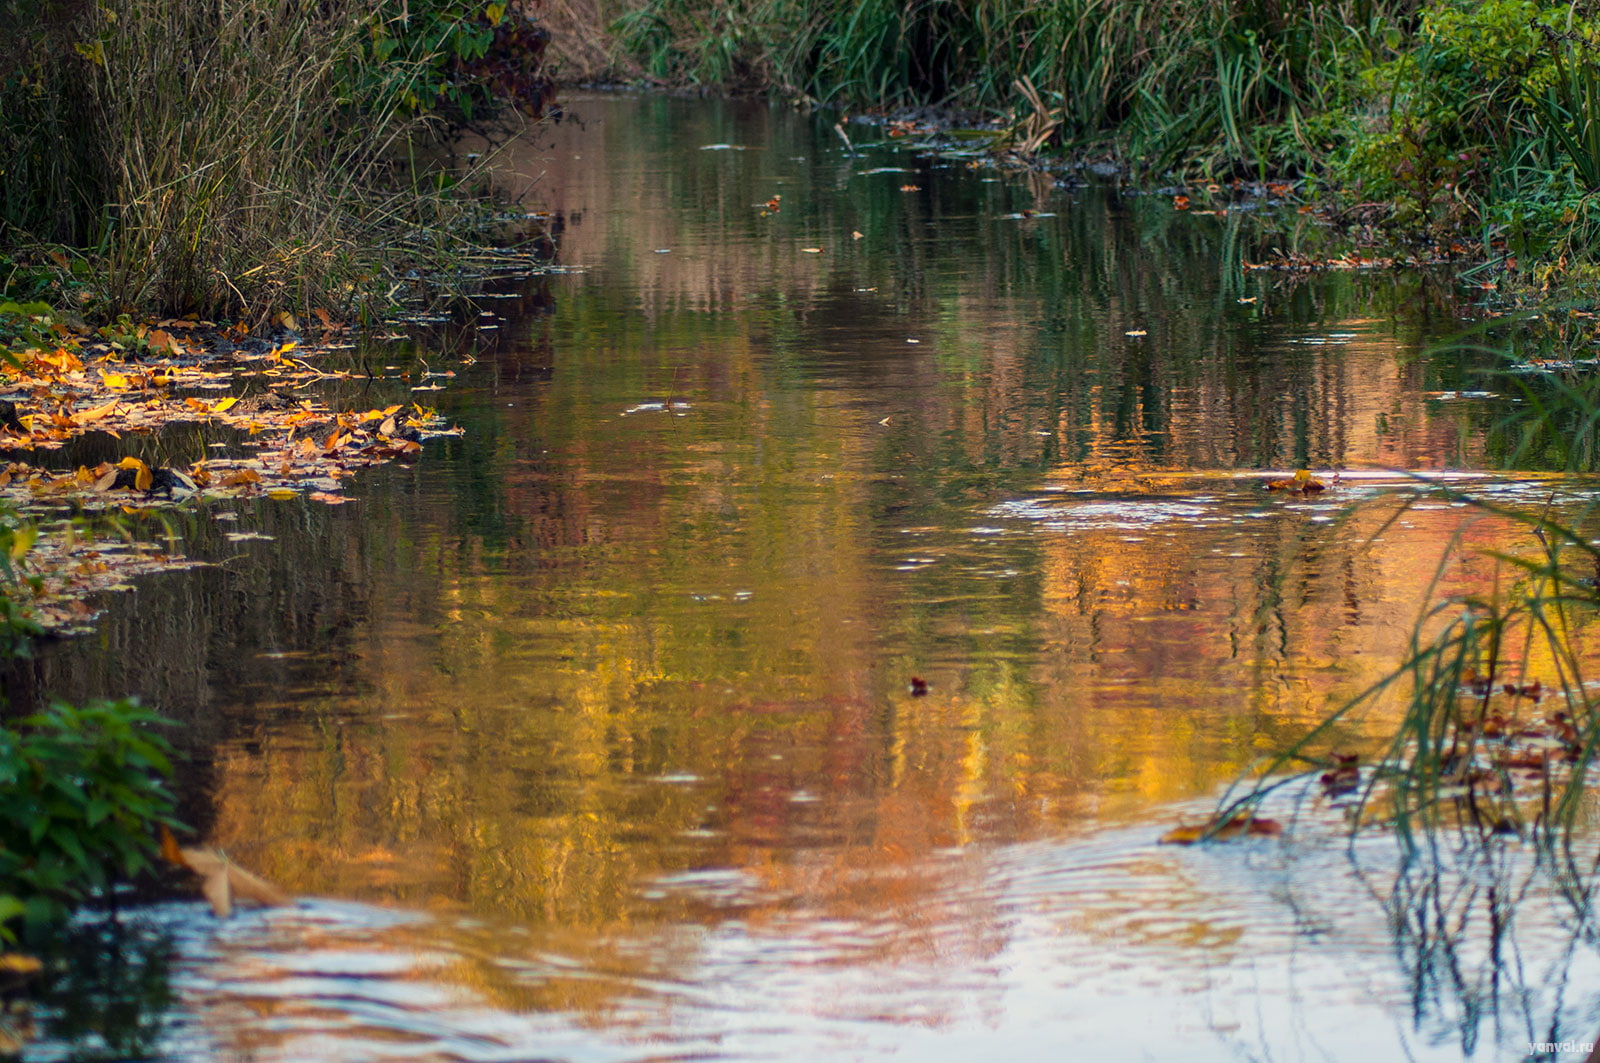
1487,743
1171,75
230,156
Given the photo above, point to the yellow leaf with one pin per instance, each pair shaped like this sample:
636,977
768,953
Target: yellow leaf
224,404
142,476
94,51
86,416
494,13
22,540
116,381
283,494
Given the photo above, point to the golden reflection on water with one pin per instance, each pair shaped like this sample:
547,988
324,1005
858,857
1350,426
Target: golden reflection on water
647,671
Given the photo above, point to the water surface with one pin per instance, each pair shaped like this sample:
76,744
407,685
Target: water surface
591,734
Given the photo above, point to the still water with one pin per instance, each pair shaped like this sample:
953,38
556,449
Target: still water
590,736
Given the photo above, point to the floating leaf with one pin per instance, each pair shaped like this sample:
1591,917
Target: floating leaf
1240,825
143,478
1303,482
222,880
95,414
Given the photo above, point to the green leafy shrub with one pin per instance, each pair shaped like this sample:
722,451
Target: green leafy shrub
1485,120
461,59
85,789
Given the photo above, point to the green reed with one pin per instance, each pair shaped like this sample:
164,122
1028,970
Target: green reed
1480,745
1170,76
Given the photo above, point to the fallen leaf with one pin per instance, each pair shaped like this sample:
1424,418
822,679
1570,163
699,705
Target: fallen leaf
143,477
99,412
1240,825
221,879
1303,482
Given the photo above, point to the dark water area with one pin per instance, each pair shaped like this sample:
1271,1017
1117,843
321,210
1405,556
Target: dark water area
590,735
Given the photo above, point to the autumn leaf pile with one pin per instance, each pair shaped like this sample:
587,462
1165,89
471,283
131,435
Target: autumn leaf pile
288,444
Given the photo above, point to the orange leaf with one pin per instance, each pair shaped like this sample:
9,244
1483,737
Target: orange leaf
1241,824
169,848
86,416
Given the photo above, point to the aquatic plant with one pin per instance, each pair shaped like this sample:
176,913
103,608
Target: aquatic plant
1487,742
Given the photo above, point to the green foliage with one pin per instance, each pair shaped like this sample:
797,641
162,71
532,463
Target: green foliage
85,789
1176,79
1486,120
458,58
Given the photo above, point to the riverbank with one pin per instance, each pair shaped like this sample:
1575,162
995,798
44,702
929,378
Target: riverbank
1442,125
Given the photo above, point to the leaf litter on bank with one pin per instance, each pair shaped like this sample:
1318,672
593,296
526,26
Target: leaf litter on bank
287,444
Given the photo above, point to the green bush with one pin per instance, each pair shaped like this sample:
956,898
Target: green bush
1486,120
85,789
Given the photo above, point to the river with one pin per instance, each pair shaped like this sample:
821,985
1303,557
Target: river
593,736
